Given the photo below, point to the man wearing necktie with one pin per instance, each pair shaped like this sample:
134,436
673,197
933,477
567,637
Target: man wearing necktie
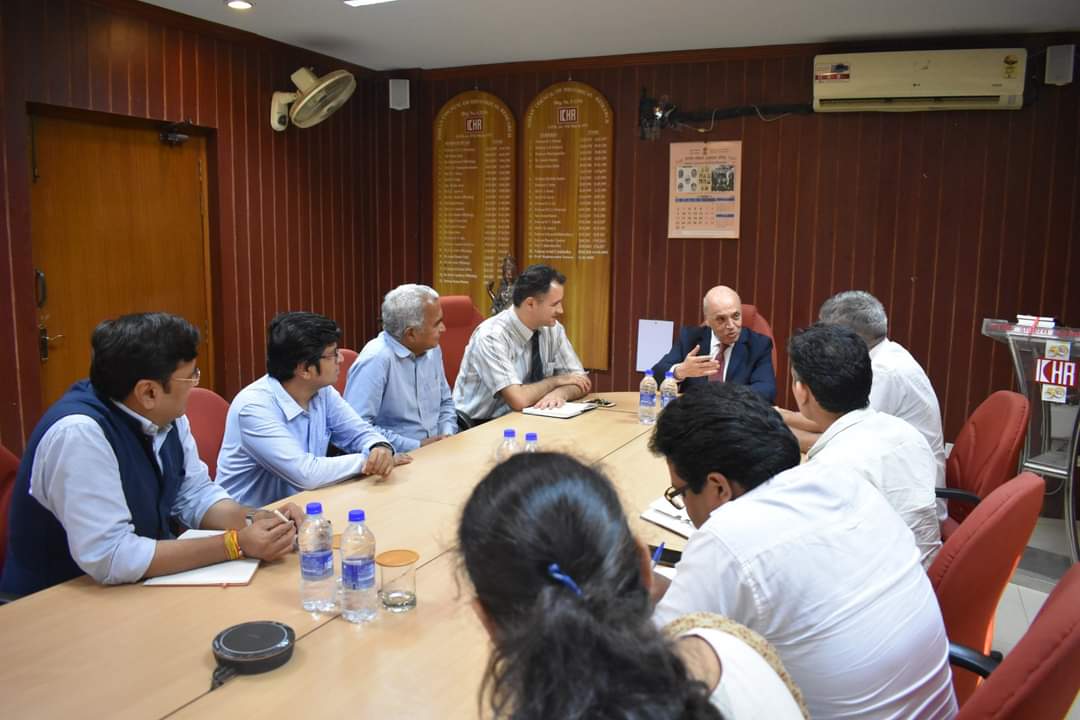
520,357
721,350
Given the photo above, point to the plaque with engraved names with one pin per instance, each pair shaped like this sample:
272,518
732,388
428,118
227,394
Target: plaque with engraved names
568,147
474,204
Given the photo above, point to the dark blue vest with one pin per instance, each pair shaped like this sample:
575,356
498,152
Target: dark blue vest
37,552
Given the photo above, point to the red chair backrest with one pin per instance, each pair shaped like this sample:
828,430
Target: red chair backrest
461,318
348,357
755,321
9,466
988,447
1040,676
206,411
974,565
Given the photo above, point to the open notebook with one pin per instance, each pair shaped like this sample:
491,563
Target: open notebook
230,572
569,410
664,514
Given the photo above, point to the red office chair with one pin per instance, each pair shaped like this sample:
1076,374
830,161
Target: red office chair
1040,677
985,454
206,411
753,320
973,567
9,466
461,318
348,357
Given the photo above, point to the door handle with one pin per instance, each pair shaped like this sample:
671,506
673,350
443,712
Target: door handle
44,341
41,290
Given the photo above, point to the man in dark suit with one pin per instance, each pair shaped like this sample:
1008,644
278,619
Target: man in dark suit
721,350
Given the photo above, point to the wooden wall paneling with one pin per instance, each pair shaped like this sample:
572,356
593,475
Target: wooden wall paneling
1060,265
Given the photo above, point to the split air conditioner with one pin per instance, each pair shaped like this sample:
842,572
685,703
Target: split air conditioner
921,80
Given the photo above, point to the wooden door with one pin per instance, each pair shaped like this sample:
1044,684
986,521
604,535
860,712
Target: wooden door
118,225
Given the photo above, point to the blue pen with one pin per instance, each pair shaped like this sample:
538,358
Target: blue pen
656,554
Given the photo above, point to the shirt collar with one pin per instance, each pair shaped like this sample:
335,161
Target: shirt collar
285,401
879,348
395,345
521,330
147,427
842,423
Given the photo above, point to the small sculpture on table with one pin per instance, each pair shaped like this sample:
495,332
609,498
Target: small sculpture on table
503,297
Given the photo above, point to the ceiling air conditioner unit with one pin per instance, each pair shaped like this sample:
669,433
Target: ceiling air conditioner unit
921,80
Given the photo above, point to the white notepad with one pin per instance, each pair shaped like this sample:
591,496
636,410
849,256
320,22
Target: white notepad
661,512
230,572
568,410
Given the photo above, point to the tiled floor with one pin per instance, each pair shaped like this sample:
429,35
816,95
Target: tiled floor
1021,600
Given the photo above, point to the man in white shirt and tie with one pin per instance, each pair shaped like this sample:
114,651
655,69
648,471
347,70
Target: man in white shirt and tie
721,350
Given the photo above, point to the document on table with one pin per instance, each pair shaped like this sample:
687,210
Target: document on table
661,512
230,572
568,410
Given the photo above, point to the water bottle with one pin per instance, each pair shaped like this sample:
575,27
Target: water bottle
532,443
318,588
509,446
647,400
359,601
669,389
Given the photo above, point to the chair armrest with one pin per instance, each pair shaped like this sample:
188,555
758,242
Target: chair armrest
956,494
964,657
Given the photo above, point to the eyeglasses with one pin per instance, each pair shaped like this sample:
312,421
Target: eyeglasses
674,496
194,379
335,356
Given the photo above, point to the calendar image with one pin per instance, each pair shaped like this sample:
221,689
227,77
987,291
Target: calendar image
704,190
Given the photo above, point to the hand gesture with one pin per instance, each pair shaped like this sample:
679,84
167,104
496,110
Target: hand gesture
694,365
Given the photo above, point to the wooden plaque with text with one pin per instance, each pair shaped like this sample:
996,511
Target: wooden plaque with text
474,180
568,184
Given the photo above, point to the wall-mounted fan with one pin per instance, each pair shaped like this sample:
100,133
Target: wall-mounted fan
317,99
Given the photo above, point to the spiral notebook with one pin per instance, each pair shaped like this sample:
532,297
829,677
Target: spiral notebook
230,572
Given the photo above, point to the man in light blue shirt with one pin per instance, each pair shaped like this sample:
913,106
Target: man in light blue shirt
398,382
279,427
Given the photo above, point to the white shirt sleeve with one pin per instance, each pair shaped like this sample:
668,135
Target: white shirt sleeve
77,478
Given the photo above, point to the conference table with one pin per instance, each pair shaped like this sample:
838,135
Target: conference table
84,650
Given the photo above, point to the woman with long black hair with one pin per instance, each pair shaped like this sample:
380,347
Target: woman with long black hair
562,586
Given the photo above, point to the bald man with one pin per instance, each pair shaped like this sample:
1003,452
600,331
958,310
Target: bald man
721,350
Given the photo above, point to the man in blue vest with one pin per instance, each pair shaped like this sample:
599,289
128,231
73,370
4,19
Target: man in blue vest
113,463
721,350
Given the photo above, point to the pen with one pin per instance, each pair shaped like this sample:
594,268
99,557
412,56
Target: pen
280,515
657,553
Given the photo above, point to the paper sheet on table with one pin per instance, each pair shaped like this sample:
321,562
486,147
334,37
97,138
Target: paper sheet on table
653,342
230,572
661,512
568,410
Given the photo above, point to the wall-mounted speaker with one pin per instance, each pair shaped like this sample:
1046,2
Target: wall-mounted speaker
399,94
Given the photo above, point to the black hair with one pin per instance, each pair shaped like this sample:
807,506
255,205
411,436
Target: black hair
725,428
559,654
535,281
833,361
297,337
142,346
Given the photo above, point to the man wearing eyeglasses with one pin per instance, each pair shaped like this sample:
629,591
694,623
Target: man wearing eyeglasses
113,463
279,427
811,557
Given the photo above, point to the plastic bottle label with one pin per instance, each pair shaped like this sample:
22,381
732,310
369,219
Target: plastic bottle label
358,574
317,565
648,399
666,399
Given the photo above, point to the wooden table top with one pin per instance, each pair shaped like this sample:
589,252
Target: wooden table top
133,651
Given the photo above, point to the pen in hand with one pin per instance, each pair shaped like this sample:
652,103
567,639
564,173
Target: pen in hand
656,554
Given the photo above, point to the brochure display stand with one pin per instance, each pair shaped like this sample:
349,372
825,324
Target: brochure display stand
1046,363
